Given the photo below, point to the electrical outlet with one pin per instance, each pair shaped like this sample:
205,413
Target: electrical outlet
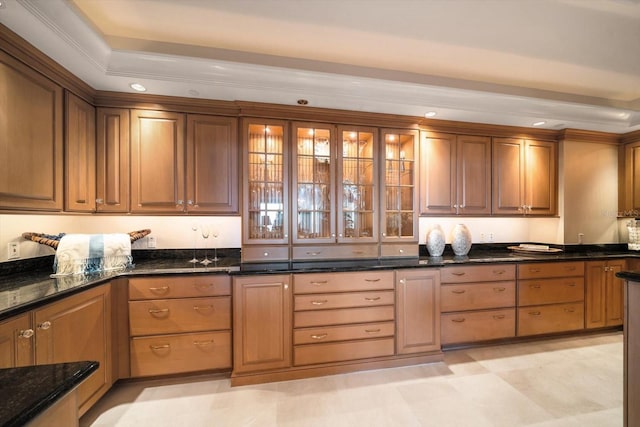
482,237
151,242
13,250
490,237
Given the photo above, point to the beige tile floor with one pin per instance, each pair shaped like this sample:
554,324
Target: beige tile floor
563,382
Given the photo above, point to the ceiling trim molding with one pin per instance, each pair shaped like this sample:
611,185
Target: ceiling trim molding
579,135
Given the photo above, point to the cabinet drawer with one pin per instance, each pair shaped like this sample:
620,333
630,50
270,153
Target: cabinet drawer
342,316
550,291
341,351
152,317
400,250
343,333
477,326
334,252
550,269
172,354
478,273
545,319
265,253
475,296
343,300
314,283
179,286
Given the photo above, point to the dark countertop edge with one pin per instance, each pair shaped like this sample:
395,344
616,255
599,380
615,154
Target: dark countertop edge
50,397
632,276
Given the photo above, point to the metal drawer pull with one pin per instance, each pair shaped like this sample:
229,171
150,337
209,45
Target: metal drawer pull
534,286
319,337
499,289
535,313
319,282
534,270
458,273
572,284
319,302
371,298
372,331
372,280
357,252
203,307
314,253
570,267
159,347
44,325
570,310
159,289
459,320
27,333
458,291
203,285
204,343
158,310
498,316
499,271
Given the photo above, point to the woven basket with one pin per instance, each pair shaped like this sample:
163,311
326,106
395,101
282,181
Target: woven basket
43,240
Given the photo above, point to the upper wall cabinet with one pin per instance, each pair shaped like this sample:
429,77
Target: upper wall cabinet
455,174
629,192
80,155
31,139
212,164
524,177
157,161
112,166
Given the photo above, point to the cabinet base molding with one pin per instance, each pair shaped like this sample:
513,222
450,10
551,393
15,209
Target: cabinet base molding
298,373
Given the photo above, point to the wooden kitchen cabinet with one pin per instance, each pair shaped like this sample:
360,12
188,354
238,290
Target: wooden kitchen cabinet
477,303
31,122
78,328
629,180
80,155
212,164
524,177
550,297
179,324
417,311
261,323
399,192
604,299
112,160
455,174
157,161
16,342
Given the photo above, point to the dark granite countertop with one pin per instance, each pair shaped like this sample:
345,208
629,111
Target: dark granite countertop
25,288
632,276
28,391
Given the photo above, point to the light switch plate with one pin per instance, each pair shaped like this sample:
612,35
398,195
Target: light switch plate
13,250
151,242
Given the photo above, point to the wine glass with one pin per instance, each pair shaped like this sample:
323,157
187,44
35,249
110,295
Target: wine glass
204,229
215,234
194,228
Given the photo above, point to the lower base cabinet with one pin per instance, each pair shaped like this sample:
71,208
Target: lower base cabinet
604,301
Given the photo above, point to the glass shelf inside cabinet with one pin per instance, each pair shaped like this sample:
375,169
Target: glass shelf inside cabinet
399,184
358,177
313,185
266,184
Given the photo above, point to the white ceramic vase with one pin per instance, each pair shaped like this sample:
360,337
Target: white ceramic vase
460,240
435,241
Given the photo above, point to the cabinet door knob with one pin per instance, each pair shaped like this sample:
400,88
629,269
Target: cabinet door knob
27,333
44,325
99,201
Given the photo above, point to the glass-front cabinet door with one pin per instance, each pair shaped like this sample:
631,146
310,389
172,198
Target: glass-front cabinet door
266,186
399,191
313,188
357,177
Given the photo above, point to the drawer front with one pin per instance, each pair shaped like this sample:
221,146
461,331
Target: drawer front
343,300
477,326
172,354
314,283
265,253
334,252
152,317
400,250
476,296
302,319
478,273
546,319
343,333
179,286
550,269
342,351
550,291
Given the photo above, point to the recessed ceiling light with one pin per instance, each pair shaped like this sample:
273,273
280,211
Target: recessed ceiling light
430,114
138,87
2,4
540,123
